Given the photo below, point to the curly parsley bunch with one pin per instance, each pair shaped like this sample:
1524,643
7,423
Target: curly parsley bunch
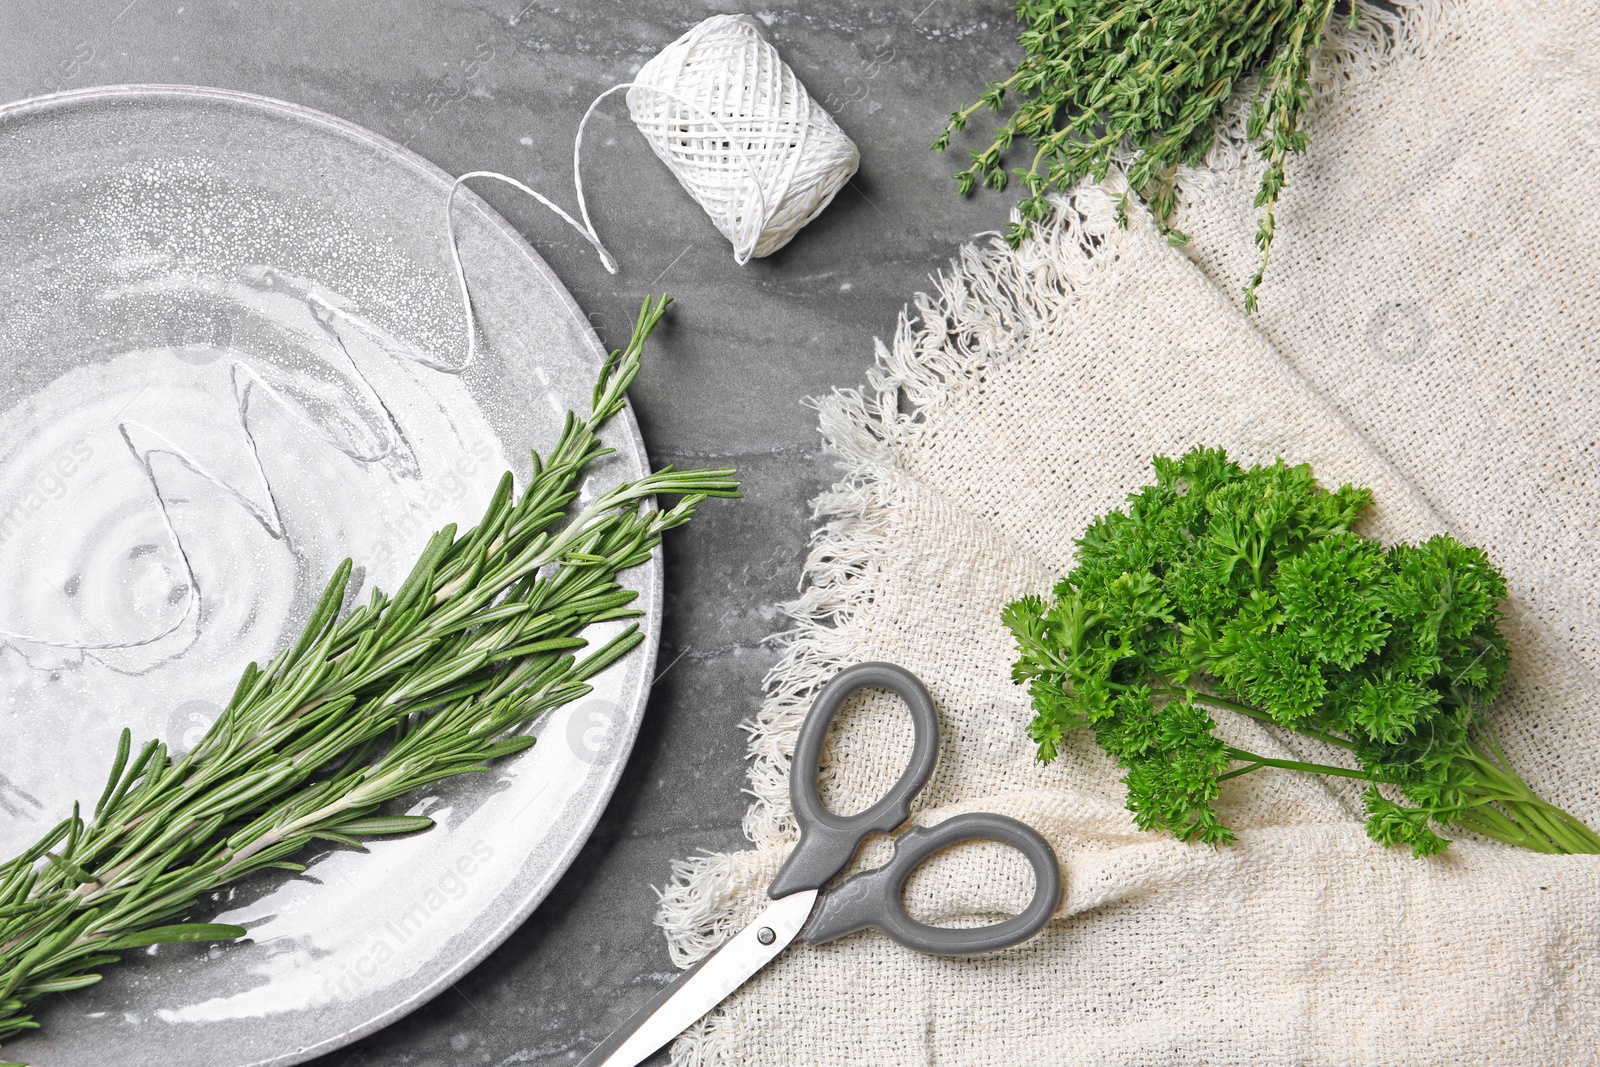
1247,590
1100,77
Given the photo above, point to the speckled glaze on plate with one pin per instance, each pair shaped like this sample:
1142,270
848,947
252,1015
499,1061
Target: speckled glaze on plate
229,351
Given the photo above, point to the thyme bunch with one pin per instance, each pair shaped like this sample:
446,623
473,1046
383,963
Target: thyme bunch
368,705
1101,78
1247,590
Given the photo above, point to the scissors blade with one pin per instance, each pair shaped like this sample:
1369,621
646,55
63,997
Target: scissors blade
697,991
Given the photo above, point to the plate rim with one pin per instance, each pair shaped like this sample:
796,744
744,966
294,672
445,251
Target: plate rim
650,588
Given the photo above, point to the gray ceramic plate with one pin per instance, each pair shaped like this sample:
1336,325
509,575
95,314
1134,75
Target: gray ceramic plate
222,326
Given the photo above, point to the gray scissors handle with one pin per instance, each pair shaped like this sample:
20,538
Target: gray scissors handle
873,898
827,841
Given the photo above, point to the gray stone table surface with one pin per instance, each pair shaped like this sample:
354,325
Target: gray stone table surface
501,84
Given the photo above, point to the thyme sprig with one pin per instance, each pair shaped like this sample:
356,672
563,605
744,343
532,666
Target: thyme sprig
1104,78
406,690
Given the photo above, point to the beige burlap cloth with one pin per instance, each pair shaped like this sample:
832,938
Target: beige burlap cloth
1429,329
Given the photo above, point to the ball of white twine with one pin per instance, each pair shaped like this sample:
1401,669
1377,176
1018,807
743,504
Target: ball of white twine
732,122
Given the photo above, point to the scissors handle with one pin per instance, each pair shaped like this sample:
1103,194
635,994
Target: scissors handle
873,898
827,841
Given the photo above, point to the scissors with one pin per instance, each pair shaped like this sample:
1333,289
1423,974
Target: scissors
802,907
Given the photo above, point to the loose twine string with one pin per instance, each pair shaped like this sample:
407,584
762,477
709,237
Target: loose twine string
734,125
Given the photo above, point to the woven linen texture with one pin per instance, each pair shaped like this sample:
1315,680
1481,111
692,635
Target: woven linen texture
1428,329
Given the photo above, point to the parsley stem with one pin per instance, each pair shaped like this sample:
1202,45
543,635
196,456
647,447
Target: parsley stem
1237,771
1495,825
1203,697
1294,765
1512,829
1513,796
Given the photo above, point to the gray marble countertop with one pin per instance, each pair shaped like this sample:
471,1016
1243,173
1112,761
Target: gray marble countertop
501,84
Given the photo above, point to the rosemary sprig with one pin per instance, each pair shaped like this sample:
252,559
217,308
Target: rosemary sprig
406,690
1100,78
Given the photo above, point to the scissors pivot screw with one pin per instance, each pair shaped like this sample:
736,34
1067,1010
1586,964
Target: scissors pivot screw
766,936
